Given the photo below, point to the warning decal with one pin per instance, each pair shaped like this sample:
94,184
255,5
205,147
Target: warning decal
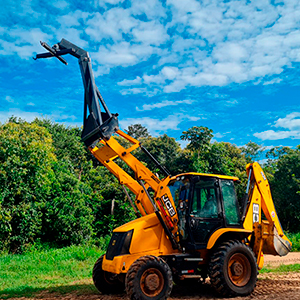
255,212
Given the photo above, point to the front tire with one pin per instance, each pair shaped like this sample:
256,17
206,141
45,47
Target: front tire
233,269
106,282
149,278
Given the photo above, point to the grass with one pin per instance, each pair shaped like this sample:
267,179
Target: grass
281,269
62,270
295,239
69,269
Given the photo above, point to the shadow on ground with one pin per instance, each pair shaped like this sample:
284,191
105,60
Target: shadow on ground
82,291
27,291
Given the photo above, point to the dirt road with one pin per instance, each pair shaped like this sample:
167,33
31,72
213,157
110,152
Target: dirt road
269,287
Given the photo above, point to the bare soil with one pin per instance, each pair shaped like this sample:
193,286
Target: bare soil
269,286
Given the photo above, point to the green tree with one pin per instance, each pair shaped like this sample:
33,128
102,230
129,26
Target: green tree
164,149
137,131
285,188
106,190
199,138
67,216
26,157
67,144
252,151
85,192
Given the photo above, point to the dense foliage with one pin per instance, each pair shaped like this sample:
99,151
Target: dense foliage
53,191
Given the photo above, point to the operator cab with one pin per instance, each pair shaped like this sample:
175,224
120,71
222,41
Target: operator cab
204,204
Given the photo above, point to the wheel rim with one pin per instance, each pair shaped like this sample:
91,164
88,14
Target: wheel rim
239,269
109,278
152,282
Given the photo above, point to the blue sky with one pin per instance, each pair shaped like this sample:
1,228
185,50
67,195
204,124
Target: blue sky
232,66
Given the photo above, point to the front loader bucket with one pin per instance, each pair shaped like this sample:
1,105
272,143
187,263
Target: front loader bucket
275,244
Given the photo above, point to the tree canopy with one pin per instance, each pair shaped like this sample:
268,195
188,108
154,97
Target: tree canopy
52,190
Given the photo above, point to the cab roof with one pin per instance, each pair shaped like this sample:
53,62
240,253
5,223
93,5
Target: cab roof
206,175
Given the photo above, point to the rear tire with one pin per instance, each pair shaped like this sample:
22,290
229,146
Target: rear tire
149,278
106,282
233,269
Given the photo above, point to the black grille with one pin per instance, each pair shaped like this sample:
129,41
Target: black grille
119,244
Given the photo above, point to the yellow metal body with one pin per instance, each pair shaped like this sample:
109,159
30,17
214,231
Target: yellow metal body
218,233
268,236
149,236
110,151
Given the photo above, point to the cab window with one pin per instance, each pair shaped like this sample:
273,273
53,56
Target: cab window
232,214
204,201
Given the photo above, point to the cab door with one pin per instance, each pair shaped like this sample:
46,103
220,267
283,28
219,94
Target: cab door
205,213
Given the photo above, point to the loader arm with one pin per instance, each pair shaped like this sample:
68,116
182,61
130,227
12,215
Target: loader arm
268,237
98,128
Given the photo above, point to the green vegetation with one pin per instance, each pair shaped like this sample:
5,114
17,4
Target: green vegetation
53,191
295,239
57,270
281,269
62,271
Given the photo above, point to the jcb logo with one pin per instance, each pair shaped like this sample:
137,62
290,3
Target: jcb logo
169,206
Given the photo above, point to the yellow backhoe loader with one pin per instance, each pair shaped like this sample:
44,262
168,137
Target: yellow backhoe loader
191,224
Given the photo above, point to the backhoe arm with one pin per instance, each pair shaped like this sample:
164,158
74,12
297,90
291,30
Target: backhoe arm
269,237
144,178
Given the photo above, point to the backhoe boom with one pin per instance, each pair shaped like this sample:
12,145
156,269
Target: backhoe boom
268,234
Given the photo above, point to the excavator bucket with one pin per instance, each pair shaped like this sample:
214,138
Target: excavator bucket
275,244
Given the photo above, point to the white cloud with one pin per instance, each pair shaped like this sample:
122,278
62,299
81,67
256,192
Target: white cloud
211,43
218,135
163,104
139,91
72,19
169,72
277,135
22,42
126,82
272,81
28,116
9,99
150,33
133,91
113,2
216,96
290,122
157,126
229,103
153,9
60,4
